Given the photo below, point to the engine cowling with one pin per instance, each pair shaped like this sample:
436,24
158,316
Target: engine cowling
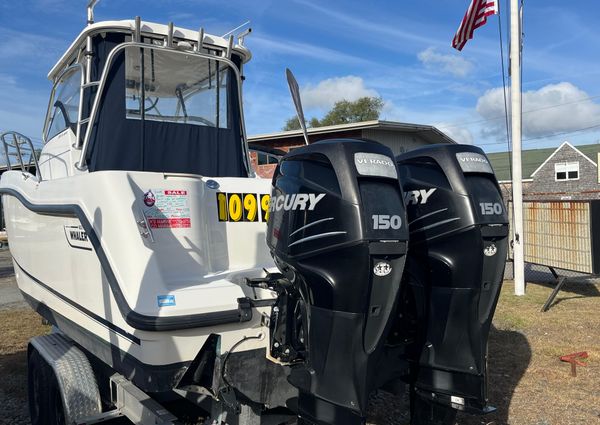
458,229
337,231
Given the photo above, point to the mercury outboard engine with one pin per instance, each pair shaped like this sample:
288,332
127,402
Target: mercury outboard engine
337,231
458,230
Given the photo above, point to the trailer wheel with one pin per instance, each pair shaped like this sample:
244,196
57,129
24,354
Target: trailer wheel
38,372
57,409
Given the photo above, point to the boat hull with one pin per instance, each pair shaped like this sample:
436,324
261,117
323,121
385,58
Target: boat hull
83,263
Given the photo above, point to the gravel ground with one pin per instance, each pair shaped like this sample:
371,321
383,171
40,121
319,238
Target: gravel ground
528,383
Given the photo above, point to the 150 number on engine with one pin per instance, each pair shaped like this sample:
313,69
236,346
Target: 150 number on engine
385,221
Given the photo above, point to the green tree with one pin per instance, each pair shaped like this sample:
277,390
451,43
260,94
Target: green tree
314,122
343,112
292,124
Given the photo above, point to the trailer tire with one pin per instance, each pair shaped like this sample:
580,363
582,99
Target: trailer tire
57,408
40,381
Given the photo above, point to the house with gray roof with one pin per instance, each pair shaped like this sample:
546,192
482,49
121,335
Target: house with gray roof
553,174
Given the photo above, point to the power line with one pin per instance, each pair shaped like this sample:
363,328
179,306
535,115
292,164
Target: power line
564,132
508,135
545,136
556,105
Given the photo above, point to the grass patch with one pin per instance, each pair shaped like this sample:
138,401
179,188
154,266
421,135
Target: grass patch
17,327
528,383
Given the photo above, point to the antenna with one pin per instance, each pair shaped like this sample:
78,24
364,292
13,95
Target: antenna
235,29
295,92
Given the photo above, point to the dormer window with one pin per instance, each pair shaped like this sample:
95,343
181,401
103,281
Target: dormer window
566,171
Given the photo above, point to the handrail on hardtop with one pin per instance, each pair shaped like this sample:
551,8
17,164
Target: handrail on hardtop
17,142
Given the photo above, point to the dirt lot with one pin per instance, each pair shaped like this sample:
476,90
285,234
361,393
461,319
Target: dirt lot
528,383
16,327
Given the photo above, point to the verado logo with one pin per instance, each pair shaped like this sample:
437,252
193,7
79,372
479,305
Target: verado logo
473,159
296,201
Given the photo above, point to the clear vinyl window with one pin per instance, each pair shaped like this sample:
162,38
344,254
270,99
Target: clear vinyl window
178,87
65,105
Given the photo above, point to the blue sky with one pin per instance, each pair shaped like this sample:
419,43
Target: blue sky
399,50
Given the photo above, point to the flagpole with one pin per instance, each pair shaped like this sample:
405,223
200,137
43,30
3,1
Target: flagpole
517,179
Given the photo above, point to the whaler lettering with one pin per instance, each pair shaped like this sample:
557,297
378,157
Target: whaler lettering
78,235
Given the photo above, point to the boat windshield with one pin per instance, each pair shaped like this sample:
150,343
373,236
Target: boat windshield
166,110
177,87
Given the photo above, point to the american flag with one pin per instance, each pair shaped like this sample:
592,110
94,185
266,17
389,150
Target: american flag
475,17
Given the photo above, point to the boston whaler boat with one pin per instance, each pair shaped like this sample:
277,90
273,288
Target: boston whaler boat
143,239
120,240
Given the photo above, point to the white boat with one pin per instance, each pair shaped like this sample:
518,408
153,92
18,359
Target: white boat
136,233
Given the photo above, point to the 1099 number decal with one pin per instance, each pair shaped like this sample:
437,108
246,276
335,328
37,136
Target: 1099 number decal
243,207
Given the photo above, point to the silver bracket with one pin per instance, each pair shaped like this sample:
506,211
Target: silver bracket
229,47
200,44
145,227
170,35
136,405
137,31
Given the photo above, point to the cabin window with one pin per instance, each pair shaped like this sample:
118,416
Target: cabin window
566,171
65,104
177,88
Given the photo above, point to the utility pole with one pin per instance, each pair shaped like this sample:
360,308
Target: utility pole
517,178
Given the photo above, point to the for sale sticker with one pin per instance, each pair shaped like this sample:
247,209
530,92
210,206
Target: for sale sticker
170,209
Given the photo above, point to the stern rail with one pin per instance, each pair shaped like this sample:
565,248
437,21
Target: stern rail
17,145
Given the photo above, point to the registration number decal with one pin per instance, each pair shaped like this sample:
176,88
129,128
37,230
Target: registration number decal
240,207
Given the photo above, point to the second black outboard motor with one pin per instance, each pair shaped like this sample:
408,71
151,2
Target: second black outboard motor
337,230
458,229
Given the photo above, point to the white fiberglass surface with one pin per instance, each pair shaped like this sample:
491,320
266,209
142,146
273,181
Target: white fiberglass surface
194,263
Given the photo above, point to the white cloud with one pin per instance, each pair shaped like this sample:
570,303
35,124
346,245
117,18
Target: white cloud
451,63
20,45
327,92
458,134
551,109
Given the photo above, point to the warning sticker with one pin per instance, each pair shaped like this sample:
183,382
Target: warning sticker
167,209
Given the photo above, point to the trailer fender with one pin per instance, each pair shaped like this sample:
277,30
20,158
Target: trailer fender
73,372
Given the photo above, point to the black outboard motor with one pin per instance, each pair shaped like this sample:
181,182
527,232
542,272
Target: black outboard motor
337,231
458,229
